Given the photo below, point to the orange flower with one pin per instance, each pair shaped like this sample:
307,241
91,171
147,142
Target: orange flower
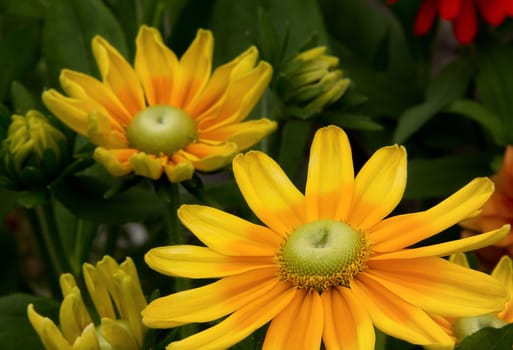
498,210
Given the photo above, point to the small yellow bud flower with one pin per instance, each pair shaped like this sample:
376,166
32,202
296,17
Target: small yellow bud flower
310,81
118,299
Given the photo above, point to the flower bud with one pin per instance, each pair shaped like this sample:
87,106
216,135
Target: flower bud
309,82
32,152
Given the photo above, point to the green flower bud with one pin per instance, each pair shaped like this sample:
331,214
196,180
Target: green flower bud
32,152
309,82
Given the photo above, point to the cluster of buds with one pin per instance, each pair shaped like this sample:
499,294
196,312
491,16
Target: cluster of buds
118,299
309,82
32,153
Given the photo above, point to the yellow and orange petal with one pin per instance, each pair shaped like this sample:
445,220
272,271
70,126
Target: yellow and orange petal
217,102
392,286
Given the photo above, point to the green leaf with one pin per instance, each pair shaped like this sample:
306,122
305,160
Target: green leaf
440,177
489,339
374,54
30,199
294,139
18,54
25,8
446,87
494,83
22,98
480,114
69,28
352,121
16,332
84,196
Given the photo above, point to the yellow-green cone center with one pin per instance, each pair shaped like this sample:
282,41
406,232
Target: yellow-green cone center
322,254
161,129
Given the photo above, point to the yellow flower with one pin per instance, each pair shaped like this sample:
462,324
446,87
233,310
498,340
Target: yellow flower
325,265
107,283
459,328
166,114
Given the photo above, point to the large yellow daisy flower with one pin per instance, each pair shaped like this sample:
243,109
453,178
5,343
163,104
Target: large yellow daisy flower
327,265
166,115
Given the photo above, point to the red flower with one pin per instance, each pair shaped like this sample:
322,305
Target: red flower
462,14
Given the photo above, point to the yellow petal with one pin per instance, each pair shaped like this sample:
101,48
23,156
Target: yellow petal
460,259
378,187
50,335
85,87
131,303
214,94
503,272
147,165
178,171
305,314
195,68
73,315
241,97
245,134
116,161
67,283
444,249
118,75
205,157
156,66
439,286
241,323
71,111
129,267
105,132
209,302
396,317
329,185
118,335
87,340
269,192
98,291
403,230
228,234
347,324
198,262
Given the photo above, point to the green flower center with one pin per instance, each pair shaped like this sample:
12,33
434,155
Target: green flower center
161,129
322,254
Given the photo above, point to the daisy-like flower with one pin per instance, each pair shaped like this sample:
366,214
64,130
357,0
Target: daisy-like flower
462,327
462,14
118,299
325,266
164,115
497,211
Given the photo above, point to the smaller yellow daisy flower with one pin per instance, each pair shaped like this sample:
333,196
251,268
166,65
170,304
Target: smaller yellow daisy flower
165,114
118,299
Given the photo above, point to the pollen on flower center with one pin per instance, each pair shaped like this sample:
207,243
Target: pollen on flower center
161,129
322,254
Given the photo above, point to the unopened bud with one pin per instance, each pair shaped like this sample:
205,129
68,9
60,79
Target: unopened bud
310,81
32,152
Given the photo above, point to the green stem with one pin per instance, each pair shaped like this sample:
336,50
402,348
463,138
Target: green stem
85,234
173,226
45,227
175,235
51,237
